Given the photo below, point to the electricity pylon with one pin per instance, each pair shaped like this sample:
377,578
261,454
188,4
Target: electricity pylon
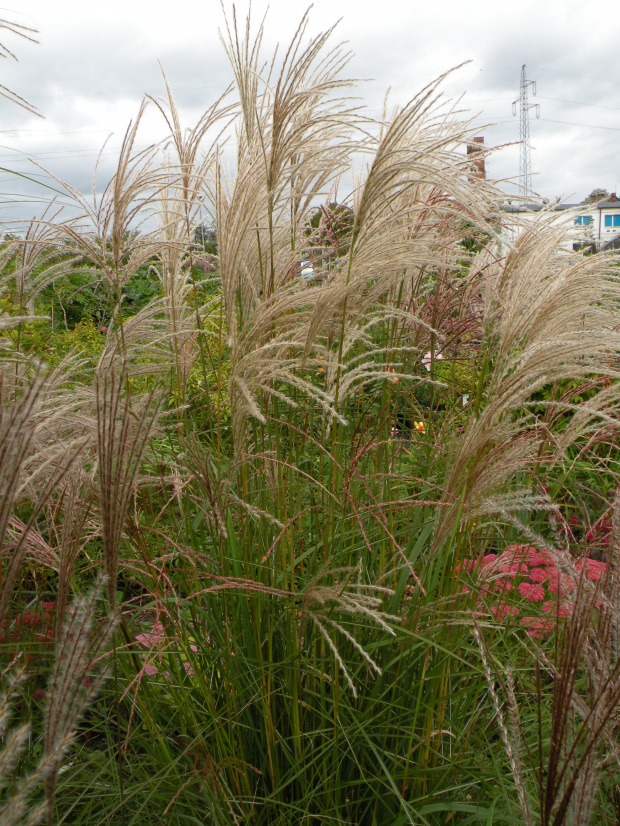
525,163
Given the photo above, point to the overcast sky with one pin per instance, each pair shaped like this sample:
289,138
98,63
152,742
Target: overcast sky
95,61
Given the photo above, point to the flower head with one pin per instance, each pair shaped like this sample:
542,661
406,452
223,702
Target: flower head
594,568
536,627
153,637
533,592
427,359
559,609
540,574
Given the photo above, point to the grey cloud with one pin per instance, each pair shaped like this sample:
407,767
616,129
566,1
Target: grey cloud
89,73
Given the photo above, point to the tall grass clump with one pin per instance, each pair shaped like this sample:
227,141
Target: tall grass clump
352,480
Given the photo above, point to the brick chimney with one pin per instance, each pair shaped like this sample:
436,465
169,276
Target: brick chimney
474,149
612,197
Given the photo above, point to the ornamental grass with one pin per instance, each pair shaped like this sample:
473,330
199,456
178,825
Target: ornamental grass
321,524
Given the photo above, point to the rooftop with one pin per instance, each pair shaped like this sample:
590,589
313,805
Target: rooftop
610,203
508,206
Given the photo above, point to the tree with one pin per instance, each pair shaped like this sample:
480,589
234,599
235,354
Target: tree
205,236
597,195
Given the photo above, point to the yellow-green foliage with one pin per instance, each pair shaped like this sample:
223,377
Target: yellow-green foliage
86,338
38,339
201,383
458,375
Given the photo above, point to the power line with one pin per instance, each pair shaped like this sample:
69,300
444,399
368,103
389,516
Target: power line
121,93
581,103
586,125
570,74
52,132
61,153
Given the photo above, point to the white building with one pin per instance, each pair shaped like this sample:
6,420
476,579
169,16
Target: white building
595,224
601,222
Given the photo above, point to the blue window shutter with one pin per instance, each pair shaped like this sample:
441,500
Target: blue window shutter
617,220
608,220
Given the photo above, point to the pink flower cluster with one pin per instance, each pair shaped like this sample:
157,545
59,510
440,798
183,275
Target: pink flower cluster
599,535
156,638
508,582
37,625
